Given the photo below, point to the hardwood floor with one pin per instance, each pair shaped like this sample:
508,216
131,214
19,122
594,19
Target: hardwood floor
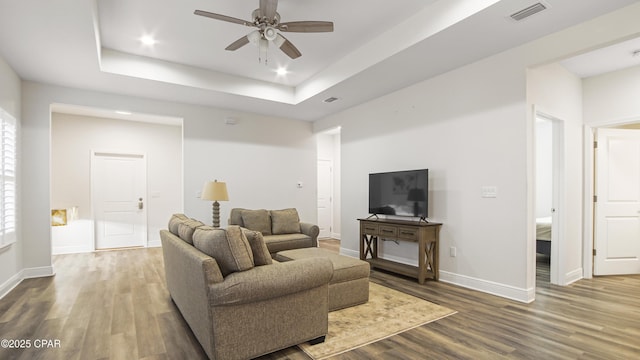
114,305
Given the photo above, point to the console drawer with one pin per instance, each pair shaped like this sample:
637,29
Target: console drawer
408,233
370,229
390,231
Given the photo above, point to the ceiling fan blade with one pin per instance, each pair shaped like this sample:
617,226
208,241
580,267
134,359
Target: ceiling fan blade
287,47
306,26
268,8
238,44
223,18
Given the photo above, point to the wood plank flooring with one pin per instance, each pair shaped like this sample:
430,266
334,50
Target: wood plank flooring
114,305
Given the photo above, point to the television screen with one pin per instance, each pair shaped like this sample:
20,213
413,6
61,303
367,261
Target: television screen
400,193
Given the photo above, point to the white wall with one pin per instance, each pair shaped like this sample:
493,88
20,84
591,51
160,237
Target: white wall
472,127
261,158
73,137
612,98
449,125
558,93
10,101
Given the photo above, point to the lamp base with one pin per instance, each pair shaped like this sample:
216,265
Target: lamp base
216,214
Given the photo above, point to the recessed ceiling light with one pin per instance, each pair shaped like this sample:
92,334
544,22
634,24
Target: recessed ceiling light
121,112
330,99
148,40
282,71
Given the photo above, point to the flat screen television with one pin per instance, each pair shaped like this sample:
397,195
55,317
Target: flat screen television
399,193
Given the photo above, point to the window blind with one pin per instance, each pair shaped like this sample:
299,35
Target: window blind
8,191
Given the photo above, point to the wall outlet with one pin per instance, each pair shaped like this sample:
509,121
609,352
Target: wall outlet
452,251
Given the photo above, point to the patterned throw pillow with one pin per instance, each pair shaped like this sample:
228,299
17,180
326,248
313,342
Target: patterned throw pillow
285,221
230,248
261,255
257,220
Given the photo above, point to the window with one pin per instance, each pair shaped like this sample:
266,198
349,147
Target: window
8,211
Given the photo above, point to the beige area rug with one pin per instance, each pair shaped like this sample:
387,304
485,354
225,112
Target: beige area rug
388,312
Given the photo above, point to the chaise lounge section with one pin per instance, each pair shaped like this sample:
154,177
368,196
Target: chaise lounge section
237,301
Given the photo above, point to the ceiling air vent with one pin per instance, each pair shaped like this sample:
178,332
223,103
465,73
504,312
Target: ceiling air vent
330,99
525,13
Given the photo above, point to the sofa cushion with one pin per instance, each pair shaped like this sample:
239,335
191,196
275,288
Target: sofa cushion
285,221
186,229
261,255
276,243
257,220
230,248
174,221
235,217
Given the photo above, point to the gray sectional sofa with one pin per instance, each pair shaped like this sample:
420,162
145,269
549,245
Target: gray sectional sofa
281,229
238,302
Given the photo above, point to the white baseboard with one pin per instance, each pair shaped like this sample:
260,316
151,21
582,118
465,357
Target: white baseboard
59,250
506,291
336,236
8,285
350,253
574,276
28,273
154,243
490,287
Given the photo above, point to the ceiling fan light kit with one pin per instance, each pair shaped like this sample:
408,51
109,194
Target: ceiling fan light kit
267,21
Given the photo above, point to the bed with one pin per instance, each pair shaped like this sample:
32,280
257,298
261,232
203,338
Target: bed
543,235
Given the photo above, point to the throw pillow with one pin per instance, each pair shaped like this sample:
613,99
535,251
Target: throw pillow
257,220
186,229
174,221
261,255
285,221
229,247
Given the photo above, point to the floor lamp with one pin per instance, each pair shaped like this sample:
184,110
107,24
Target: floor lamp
215,191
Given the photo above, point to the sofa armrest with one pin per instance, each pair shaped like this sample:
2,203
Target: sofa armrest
271,281
311,230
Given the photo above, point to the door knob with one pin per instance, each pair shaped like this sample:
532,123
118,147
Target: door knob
140,204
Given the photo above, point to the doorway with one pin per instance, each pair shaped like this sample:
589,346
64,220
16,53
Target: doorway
119,193
76,133
616,219
549,189
328,183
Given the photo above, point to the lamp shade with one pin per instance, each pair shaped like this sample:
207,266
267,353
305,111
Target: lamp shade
215,191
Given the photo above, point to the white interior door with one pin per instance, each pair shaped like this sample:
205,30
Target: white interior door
119,190
325,181
617,209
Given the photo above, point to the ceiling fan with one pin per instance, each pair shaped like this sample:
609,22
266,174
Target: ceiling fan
267,21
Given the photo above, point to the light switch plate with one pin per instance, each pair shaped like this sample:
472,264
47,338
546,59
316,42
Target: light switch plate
489,191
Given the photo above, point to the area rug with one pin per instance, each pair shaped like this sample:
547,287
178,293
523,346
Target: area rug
388,312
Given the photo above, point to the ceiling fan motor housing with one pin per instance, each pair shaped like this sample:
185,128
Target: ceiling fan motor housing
260,19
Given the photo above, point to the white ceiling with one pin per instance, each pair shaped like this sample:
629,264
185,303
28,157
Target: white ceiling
376,48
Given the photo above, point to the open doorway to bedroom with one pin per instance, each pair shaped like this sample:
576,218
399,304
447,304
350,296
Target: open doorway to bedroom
548,165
